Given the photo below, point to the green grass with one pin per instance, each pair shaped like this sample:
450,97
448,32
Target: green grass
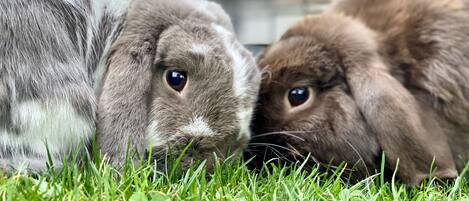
229,180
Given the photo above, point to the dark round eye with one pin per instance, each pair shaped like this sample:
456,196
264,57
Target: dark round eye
176,79
298,96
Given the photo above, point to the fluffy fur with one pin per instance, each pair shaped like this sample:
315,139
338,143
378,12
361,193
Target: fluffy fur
64,61
387,76
46,79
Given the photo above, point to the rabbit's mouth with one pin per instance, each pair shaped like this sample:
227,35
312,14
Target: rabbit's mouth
194,141
189,151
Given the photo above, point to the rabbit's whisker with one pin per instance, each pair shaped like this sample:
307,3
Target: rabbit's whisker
273,148
287,133
359,155
268,145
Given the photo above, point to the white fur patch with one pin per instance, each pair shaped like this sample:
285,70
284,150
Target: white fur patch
153,137
244,117
57,125
197,127
200,48
240,69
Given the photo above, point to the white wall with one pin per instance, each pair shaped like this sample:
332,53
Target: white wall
263,21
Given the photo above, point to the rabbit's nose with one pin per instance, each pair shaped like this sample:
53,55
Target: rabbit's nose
195,145
198,127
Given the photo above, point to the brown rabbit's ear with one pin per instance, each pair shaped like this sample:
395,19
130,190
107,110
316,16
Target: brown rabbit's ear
395,116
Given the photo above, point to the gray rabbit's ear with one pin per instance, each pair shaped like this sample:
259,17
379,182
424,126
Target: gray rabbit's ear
221,17
123,103
404,133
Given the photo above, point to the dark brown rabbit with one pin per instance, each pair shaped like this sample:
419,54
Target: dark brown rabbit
369,77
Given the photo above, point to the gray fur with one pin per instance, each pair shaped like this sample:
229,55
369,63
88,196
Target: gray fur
42,61
159,35
56,54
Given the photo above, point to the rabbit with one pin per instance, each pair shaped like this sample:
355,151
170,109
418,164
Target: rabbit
147,75
163,46
369,77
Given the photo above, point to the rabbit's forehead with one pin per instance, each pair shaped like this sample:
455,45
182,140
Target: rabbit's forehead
217,52
198,42
291,63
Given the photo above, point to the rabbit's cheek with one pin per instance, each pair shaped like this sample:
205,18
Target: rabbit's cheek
245,117
155,138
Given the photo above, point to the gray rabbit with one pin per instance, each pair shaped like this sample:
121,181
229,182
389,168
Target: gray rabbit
141,73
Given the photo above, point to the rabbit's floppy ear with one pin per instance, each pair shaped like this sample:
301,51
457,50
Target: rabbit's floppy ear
122,108
123,105
217,11
395,116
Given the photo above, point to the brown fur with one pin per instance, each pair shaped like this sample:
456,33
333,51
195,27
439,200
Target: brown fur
399,87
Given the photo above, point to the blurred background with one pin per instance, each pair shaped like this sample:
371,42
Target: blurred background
260,22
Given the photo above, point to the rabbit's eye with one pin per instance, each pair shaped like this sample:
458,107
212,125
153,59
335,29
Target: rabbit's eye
176,79
298,96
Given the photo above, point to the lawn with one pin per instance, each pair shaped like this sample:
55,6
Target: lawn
229,180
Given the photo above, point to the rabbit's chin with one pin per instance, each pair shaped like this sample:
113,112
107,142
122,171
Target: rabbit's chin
165,159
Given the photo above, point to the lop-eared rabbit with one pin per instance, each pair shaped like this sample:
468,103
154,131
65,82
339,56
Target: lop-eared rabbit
160,73
368,77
